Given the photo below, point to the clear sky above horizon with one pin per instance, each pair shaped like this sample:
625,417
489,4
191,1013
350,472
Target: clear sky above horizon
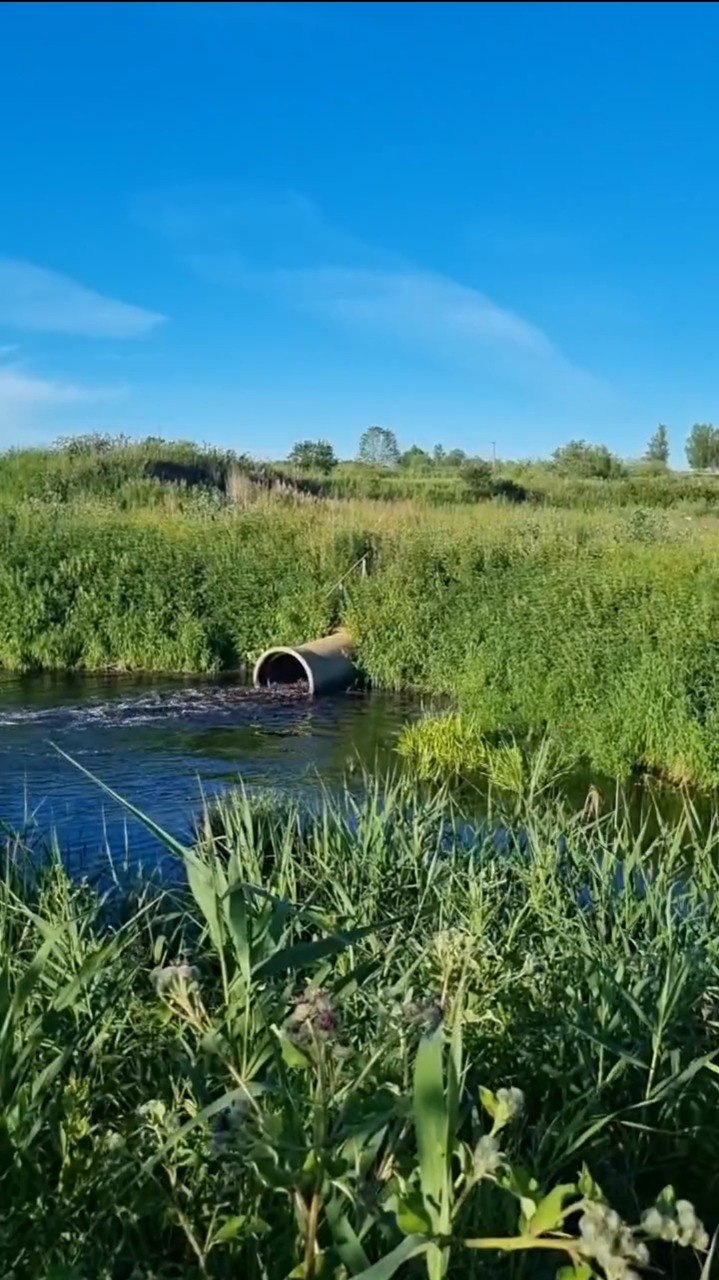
250,224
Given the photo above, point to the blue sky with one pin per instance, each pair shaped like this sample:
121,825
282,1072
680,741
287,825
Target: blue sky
249,224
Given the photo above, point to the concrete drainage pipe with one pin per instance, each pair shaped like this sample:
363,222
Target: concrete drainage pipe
325,665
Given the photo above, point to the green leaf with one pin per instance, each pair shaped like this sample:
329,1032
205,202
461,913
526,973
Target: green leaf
346,1241
590,1189
204,892
45,1078
237,924
454,1073
30,977
303,954
411,1247
548,1215
412,1216
430,1121
67,996
582,1271
169,841
666,1200
200,1118
520,1183
489,1101
231,1228
199,876
292,1055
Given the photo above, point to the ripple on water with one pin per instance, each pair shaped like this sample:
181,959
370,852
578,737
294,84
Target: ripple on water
163,744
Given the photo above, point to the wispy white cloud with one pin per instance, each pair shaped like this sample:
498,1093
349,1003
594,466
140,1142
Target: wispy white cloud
424,310
37,299
410,303
284,246
283,229
31,402
20,390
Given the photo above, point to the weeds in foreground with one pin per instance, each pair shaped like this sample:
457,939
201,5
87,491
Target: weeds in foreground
366,1040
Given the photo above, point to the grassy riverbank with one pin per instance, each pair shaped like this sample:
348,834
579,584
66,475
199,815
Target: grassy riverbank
258,1076
597,628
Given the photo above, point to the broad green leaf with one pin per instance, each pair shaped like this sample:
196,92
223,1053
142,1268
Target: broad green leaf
411,1247
46,1077
231,1228
238,926
30,977
454,1075
430,1120
302,954
548,1214
412,1215
582,1271
292,1055
489,1101
346,1241
203,891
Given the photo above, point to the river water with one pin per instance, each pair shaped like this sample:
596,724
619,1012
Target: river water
163,744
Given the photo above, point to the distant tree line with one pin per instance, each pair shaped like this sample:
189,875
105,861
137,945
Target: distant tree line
378,447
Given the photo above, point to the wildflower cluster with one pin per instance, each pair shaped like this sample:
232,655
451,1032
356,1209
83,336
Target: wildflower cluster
312,1017
179,975
676,1221
610,1242
426,1012
487,1157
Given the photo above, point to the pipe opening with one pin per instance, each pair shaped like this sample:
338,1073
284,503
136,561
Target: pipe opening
285,668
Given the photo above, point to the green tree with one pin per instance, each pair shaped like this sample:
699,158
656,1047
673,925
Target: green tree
378,447
313,455
477,476
702,447
456,458
439,454
579,458
415,458
658,447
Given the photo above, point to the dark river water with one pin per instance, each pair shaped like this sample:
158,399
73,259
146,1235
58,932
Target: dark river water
163,743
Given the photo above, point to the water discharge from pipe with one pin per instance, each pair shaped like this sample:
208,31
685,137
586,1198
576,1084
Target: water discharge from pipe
325,665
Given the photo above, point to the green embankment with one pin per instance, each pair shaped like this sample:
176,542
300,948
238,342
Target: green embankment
600,629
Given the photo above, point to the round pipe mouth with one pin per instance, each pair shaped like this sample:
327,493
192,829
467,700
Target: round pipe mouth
282,666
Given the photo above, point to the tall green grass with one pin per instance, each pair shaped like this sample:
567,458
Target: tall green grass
92,589
307,1063
608,645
